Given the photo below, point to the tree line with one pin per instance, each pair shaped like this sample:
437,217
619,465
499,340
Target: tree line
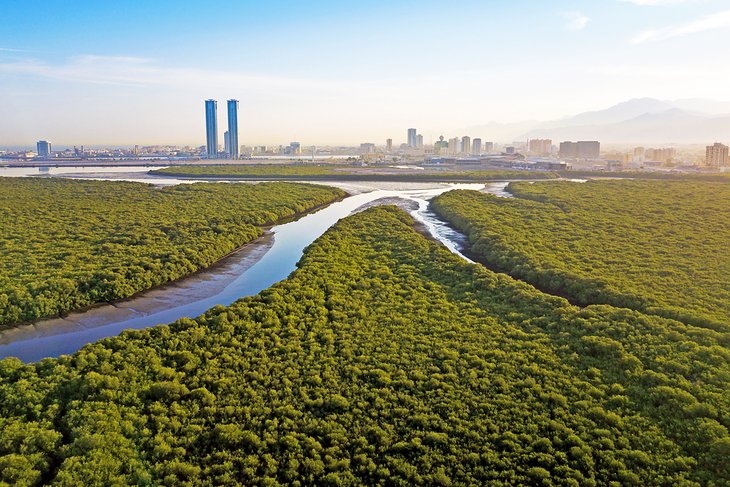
333,172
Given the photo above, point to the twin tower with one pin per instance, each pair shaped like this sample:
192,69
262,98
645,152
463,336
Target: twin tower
211,129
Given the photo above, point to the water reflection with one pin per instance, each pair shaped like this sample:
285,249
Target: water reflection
51,338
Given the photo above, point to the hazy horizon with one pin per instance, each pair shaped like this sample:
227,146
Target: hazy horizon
326,73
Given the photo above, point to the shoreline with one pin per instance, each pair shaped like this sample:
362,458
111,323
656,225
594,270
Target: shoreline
368,178
211,279
147,301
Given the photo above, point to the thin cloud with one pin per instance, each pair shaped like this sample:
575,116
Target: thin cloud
575,21
657,3
93,58
715,21
660,72
146,72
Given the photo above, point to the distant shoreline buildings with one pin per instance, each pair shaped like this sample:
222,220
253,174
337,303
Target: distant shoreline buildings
530,154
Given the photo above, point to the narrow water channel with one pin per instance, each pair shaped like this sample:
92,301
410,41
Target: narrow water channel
245,273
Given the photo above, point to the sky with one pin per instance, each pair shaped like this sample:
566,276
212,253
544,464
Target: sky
333,72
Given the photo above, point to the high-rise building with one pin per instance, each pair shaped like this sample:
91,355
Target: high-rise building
583,149
454,146
541,147
441,146
476,147
568,150
419,141
295,148
488,147
233,151
211,128
389,145
412,138
639,154
367,148
227,143
547,146
43,147
465,144
589,149
716,155
660,155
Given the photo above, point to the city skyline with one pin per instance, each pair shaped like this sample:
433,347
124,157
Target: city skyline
338,74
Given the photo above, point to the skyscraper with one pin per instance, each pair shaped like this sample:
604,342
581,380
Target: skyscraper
233,129
476,146
211,128
419,141
412,138
389,145
227,143
43,148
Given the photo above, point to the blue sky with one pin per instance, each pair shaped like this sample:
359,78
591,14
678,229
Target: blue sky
342,72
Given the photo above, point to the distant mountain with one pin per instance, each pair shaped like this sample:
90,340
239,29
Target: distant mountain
643,121
670,126
617,113
709,107
638,121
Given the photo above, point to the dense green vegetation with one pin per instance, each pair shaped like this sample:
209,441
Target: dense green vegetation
332,172
347,173
69,244
671,176
254,170
384,360
656,246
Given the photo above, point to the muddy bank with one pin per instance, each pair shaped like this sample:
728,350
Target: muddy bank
194,287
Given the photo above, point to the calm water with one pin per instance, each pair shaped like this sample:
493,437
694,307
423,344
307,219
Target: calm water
136,174
51,338
52,170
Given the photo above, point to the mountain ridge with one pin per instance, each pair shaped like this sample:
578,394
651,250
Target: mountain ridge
639,120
